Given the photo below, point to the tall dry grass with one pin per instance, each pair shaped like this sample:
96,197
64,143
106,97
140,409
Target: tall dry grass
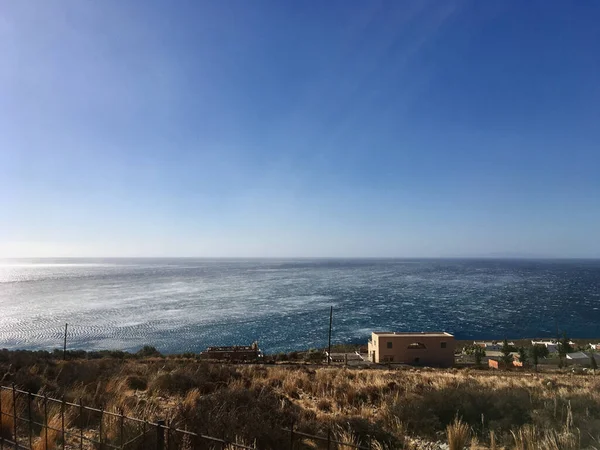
531,438
255,402
50,437
346,438
6,422
525,438
458,434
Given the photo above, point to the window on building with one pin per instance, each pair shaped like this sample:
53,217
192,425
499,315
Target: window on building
416,346
389,345
443,345
417,360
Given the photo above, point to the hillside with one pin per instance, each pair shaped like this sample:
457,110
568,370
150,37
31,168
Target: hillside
253,403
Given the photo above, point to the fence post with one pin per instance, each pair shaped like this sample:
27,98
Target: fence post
100,427
45,421
168,435
329,439
121,427
1,435
144,433
160,435
292,436
14,395
80,423
29,419
62,421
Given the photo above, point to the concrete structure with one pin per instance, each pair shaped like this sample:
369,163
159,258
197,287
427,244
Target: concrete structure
349,359
424,349
488,346
494,346
496,354
233,353
582,358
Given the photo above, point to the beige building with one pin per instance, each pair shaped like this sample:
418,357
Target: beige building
428,349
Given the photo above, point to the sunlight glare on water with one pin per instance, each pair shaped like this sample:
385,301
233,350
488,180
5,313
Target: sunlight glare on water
182,305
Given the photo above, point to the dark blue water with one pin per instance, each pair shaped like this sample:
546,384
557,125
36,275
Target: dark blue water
185,304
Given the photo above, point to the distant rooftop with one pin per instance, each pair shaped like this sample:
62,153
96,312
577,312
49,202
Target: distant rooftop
413,334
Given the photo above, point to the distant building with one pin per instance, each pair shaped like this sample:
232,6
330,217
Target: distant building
494,346
551,345
594,346
488,346
351,359
233,353
430,349
499,354
582,358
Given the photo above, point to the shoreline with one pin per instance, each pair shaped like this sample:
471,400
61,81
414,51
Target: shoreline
349,347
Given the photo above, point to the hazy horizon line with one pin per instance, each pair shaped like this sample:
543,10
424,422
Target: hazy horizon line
492,257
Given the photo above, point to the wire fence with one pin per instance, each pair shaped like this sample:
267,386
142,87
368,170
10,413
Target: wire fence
31,421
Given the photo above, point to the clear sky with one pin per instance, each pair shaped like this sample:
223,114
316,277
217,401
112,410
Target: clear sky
299,128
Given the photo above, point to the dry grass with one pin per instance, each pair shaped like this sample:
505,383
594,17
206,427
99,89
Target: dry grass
492,440
347,439
525,438
254,403
240,441
530,438
458,434
6,422
50,438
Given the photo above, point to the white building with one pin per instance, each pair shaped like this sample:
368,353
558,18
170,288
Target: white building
551,345
492,346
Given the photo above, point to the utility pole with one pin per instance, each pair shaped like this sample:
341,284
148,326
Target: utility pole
65,343
330,323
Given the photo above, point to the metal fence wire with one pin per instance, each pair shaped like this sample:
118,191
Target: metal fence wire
31,421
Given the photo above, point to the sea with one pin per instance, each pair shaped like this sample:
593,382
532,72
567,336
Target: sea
185,305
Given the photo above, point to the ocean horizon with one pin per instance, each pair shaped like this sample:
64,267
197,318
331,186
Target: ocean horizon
186,304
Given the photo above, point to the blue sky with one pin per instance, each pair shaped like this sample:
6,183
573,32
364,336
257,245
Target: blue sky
279,128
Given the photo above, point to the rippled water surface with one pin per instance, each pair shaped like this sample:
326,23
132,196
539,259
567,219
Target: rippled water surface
185,304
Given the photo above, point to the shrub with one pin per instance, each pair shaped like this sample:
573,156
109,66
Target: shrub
136,383
148,351
324,404
314,356
432,409
171,383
